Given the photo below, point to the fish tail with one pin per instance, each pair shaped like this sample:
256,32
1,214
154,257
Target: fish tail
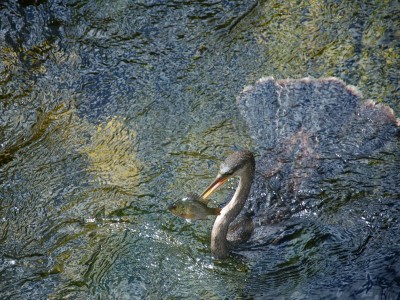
217,211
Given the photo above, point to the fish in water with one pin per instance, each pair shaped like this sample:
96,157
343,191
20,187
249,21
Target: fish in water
192,207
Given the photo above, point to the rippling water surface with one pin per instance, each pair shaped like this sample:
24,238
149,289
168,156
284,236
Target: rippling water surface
111,110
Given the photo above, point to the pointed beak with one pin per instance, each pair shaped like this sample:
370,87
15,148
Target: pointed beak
220,180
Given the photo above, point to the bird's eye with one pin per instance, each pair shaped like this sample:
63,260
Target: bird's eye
226,170
229,173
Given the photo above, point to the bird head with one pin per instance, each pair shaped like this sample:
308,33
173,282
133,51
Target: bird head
234,165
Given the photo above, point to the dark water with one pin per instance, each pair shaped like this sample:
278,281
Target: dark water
109,111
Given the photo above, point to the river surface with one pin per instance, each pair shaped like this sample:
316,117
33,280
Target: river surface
112,110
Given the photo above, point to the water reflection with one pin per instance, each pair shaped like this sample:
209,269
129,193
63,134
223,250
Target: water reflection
110,111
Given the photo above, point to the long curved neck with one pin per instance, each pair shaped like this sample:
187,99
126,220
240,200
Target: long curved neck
219,243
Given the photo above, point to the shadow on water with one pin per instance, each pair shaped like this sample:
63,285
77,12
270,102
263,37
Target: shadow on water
109,111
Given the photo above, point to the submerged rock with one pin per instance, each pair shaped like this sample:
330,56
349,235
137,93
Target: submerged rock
313,137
